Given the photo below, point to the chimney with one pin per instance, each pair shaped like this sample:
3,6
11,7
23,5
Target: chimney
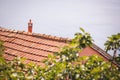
30,24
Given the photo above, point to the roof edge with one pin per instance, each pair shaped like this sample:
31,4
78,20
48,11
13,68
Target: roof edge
101,51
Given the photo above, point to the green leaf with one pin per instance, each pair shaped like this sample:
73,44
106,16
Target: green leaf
82,30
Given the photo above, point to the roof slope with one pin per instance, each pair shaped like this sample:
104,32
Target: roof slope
34,47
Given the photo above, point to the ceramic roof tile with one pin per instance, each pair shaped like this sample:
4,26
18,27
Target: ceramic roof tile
34,47
8,57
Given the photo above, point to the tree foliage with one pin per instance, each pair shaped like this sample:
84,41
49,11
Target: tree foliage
63,65
113,44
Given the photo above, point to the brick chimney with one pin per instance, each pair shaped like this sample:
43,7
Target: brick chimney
30,24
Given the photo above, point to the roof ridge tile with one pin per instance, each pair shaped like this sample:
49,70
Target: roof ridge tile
61,39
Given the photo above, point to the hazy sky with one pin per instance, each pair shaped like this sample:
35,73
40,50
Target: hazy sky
63,18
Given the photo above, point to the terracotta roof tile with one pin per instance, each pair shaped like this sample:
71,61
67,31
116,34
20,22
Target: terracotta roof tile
8,57
34,47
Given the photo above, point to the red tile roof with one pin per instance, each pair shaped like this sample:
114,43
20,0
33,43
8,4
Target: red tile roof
35,47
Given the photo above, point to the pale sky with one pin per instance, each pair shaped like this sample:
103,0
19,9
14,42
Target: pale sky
101,18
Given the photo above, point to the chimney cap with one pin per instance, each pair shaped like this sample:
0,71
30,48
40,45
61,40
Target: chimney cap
30,21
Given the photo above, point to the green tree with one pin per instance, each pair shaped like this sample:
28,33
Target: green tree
113,44
70,66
